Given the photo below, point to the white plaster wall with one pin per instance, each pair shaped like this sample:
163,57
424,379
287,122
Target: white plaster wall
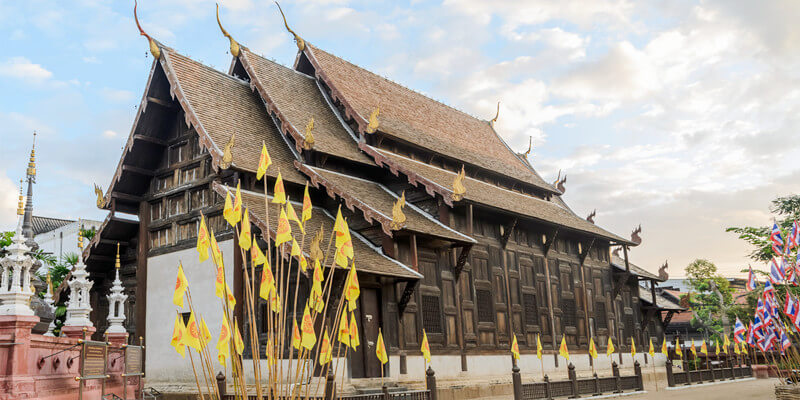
63,240
163,363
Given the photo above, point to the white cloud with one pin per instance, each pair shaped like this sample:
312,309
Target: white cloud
117,95
22,68
108,133
9,193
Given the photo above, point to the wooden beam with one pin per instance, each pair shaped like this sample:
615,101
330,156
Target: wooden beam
150,139
625,252
141,273
160,102
414,255
406,297
137,170
667,319
462,259
123,243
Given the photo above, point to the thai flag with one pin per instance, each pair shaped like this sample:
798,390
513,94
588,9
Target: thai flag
752,283
772,307
776,274
768,288
790,307
738,331
751,340
794,237
785,342
777,240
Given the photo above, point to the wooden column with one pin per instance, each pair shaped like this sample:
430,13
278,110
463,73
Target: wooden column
414,257
547,244
141,272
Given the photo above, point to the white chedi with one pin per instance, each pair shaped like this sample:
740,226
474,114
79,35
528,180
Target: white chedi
15,277
116,303
78,308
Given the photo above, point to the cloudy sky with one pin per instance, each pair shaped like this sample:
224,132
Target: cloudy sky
677,115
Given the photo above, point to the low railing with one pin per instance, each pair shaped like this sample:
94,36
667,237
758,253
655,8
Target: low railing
728,371
330,394
576,387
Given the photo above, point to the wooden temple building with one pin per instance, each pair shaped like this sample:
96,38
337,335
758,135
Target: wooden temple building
473,263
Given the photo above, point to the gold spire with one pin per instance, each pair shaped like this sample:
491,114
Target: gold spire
116,265
49,282
458,186
80,236
154,49
301,44
372,126
21,203
309,141
32,162
398,217
495,115
234,44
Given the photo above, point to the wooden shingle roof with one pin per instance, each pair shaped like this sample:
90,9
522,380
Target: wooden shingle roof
295,98
412,117
368,258
493,196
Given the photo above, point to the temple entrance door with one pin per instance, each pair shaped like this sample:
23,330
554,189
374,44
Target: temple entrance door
365,363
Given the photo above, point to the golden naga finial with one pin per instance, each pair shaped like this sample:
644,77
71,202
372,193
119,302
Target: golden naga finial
372,126
234,45
21,203
309,141
227,154
101,201
32,163
316,251
497,114
117,263
154,49
398,217
301,44
530,146
458,186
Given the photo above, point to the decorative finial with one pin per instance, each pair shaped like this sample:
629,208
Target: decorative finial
21,203
117,263
398,217
591,216
530,147
32,163
80,235
458,186
154,49
234,45
497,114
101,201
227,154
309,141
662,272
301,44
560,182
635,238
372,126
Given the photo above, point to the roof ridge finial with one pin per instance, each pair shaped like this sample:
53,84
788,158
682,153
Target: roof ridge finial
32,163
301,44
21,202
154,49
117,263
496,115
80,235
234,44
308,141
530,147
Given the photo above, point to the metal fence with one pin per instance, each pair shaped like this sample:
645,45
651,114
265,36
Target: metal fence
576,387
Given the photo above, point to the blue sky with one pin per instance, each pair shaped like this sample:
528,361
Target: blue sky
681,116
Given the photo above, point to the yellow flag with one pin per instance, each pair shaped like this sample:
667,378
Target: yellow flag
633,348
353,289
192,336
652,350
664,350
515,347
223,343
227,211
592,348
380,349
263,162
267,282
279,194
325,349
203,241
704,348
716,345
237,203
610,347
219,283
206,333
231,299
306,212
344,330
296,338
744,348
426,348
309,337
216,253
344,242
246,233
355,341
275,301
562,350
693,349
181,285
238,343
292,215
256,254
725,344
295,252
284,232
736,348
177,336
538,347
315,299
678,349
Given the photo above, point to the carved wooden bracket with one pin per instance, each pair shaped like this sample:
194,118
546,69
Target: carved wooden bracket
622,277
549,241
462,259
508,230
407,293
586,251
668,318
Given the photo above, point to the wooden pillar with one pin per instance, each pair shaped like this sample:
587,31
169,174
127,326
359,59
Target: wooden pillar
414,254
141,273
547,244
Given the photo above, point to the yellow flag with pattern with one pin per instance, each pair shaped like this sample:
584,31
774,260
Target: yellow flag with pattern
227,210
219,283
344,331
693,350
664,350
238,343
592,348
267,282
538,347
610,347
192,336
279,194
224,342
296,338
562,349
678,348
633,348
263,162
425,348
246,233
515,347
206,332
256,254
704,348
237,203
380,349
725,344
325,350
307,207
177,336
651,350
353,289
203,241
292,215
181,284
216,253
355,341
309,337
284,232
295,252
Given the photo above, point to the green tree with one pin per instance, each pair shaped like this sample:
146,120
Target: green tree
786,210
710,298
